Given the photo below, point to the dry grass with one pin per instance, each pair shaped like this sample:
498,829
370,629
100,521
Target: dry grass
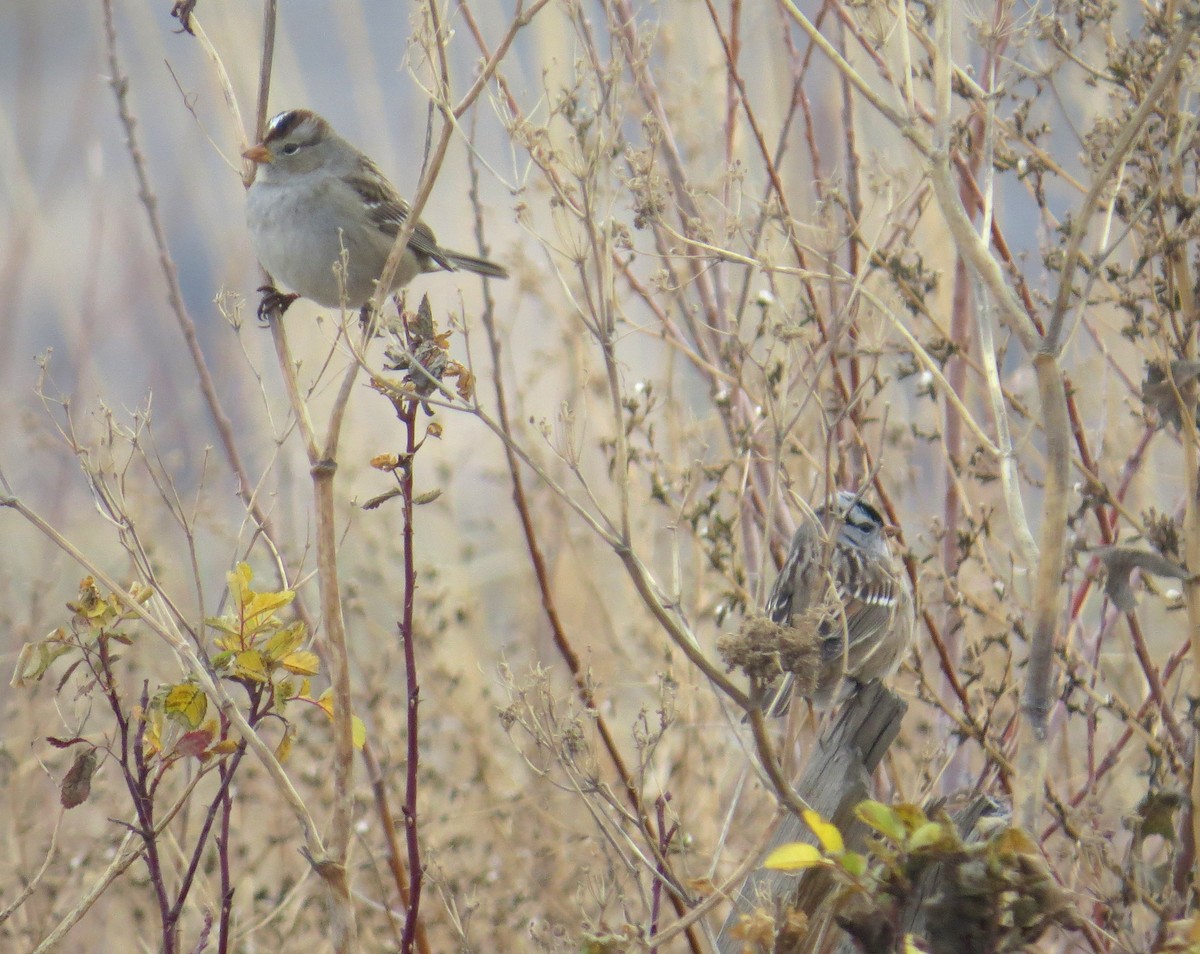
738,281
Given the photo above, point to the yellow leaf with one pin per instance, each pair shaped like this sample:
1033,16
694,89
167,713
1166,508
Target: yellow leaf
284,748
90,605
910,816
258,610
239,583
252,611
228,645
358,729
827,834
796,856
287,640
1015,841
250,665
152,737
301,663
186,703
224,747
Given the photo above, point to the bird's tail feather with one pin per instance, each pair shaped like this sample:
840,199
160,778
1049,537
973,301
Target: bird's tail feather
480,266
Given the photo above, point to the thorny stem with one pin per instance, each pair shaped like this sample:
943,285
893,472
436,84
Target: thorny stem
142,793
226,900
395,861
135,781
222,805
408,417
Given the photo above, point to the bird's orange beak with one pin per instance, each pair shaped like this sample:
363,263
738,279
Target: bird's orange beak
259,153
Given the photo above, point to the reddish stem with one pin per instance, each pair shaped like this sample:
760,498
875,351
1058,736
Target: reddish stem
408,417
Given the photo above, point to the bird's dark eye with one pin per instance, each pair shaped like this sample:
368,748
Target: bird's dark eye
291,149
864,516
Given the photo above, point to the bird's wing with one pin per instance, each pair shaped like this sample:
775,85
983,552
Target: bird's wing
782,603
868,594
389,212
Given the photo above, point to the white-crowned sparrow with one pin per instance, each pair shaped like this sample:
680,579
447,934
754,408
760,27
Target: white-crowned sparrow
840,572
316,198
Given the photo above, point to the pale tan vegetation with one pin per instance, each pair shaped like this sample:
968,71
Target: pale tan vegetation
758,251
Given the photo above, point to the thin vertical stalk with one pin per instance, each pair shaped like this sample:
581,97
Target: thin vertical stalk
417,874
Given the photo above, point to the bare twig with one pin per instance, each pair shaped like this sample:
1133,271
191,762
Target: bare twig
120,86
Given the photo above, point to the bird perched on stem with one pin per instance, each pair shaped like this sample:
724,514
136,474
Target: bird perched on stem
840,577
323,218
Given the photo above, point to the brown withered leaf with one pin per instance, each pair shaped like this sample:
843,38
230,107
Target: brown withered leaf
385,462
421,326
1120,562
195,744
757,929
381,499
64,743
77,783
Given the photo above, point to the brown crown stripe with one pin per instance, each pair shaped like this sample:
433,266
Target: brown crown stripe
284,123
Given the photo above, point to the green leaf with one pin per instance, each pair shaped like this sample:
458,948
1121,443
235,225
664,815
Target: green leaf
881,818
35,658
928,835
853,863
